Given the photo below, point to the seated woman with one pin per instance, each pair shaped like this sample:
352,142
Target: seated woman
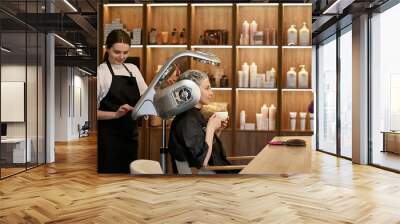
192,137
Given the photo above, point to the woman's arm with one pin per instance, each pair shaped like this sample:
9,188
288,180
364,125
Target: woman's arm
209,140
109,115
214,123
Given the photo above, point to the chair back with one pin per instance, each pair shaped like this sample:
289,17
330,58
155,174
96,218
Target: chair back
142,166
184,168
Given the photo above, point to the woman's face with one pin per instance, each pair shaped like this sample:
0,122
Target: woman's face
206,92
118,53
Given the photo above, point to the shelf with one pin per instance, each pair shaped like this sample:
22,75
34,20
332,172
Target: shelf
264,58
221,89
266,131
199,17
123,5
211,17
167,46
307,131
296,14
297,47
265,15
257,4
168,127
212,46
256,89
297,90
212,5
257,47
296,4
131,46
136,46
166,4
295,58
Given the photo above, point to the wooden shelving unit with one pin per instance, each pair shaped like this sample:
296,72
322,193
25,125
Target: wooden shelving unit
210,17
196,18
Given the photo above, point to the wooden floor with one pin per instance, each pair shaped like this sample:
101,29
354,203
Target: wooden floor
70,191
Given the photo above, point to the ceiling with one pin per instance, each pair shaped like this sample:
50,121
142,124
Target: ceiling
80,27
22,20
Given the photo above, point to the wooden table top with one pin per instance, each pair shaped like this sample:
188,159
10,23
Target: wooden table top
281,159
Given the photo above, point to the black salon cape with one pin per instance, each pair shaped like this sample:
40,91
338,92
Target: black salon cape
187,141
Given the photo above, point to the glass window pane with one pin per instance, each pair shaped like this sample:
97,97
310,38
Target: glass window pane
346,94
385,86
327,96
13,86
31,97
41,98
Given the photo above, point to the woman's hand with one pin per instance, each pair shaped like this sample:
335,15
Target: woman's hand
122,110
214,123
224,125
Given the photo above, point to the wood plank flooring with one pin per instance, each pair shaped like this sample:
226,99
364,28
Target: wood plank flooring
70,191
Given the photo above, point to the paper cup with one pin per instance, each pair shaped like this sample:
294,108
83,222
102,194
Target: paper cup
223,115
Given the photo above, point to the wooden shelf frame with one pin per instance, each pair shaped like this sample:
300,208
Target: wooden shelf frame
235,140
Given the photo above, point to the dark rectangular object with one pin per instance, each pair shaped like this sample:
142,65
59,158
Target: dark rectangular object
3,129
133,60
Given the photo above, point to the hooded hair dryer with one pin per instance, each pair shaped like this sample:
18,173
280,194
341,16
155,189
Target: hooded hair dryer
177,98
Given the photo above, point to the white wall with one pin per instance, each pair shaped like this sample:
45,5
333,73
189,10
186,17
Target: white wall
71,93
12,73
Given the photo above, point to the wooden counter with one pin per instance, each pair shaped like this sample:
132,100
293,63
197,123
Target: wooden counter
280,159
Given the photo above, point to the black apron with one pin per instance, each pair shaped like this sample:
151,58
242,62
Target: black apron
118,138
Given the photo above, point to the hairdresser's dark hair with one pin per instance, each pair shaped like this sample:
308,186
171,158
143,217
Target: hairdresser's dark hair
116,36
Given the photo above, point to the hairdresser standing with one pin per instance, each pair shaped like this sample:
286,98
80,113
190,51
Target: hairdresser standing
119,87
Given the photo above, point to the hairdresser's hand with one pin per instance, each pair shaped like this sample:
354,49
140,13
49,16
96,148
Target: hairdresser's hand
122,110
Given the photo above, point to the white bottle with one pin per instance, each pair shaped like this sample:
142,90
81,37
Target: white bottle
272,117
292,35
260,80
304,35
241,79
246,70
293,116
264,110
259,122
253,30
245,32
242,119
253,75
303,116
291,78
270,78
303,77
264,117
253,68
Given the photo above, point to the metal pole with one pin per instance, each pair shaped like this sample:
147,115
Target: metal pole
163,148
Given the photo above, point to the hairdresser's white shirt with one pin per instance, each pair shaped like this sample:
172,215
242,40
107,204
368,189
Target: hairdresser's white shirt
104,79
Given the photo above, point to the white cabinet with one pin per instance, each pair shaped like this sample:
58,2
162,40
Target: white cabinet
17,145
